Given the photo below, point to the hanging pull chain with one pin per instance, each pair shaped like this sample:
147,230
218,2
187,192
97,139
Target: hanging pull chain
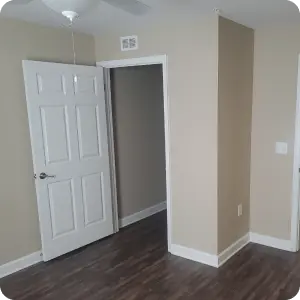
73,43
74,53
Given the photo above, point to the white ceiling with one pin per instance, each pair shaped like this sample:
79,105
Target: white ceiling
252,13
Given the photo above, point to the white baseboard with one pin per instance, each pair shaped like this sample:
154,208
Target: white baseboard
195,255
219,260
224,256
20,264
210,259
142,214
271,242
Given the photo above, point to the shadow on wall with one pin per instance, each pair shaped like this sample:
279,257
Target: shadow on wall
138,113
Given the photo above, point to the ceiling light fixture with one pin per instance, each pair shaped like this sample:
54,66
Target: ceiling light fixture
2,3
71,9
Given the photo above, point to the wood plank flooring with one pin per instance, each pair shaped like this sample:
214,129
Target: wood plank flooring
134,265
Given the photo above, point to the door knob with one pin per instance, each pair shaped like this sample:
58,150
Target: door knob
44,176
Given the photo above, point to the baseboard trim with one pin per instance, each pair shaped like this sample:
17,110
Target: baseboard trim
271,242
233,249
219,260
20,264
142,214
215,261
195,255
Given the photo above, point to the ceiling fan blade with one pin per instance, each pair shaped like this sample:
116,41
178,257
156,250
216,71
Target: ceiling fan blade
17,2
134,7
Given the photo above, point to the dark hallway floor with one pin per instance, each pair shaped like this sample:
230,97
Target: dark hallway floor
134,265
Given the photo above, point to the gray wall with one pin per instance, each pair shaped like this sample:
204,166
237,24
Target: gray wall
137,97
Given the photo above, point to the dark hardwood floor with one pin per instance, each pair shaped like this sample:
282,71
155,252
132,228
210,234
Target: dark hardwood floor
134,265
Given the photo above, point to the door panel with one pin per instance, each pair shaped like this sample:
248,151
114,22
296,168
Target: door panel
55,134
61,207
51,84
85,85
67,120
88,132
93,198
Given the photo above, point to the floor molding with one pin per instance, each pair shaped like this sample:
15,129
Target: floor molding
233,249
142,214
271,241
219,260
20,264
195,255
210,259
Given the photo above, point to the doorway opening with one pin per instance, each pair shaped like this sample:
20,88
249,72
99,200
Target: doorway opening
139,138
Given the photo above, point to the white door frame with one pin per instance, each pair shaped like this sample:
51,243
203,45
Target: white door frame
295,222
144,61
111,148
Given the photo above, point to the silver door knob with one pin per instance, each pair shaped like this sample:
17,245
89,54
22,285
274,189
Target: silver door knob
44,176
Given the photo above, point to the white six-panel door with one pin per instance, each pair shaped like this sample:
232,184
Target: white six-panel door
67,120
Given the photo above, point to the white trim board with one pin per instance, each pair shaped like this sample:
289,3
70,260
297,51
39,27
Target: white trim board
233,249
111,146
142,214
131,62
20,264
195,255
154,60
296,164
212,260
269,241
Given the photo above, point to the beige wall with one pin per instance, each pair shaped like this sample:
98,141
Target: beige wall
191,44
274,108
138,112
236,44
19,229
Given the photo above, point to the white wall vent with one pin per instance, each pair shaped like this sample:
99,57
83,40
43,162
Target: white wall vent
129,43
